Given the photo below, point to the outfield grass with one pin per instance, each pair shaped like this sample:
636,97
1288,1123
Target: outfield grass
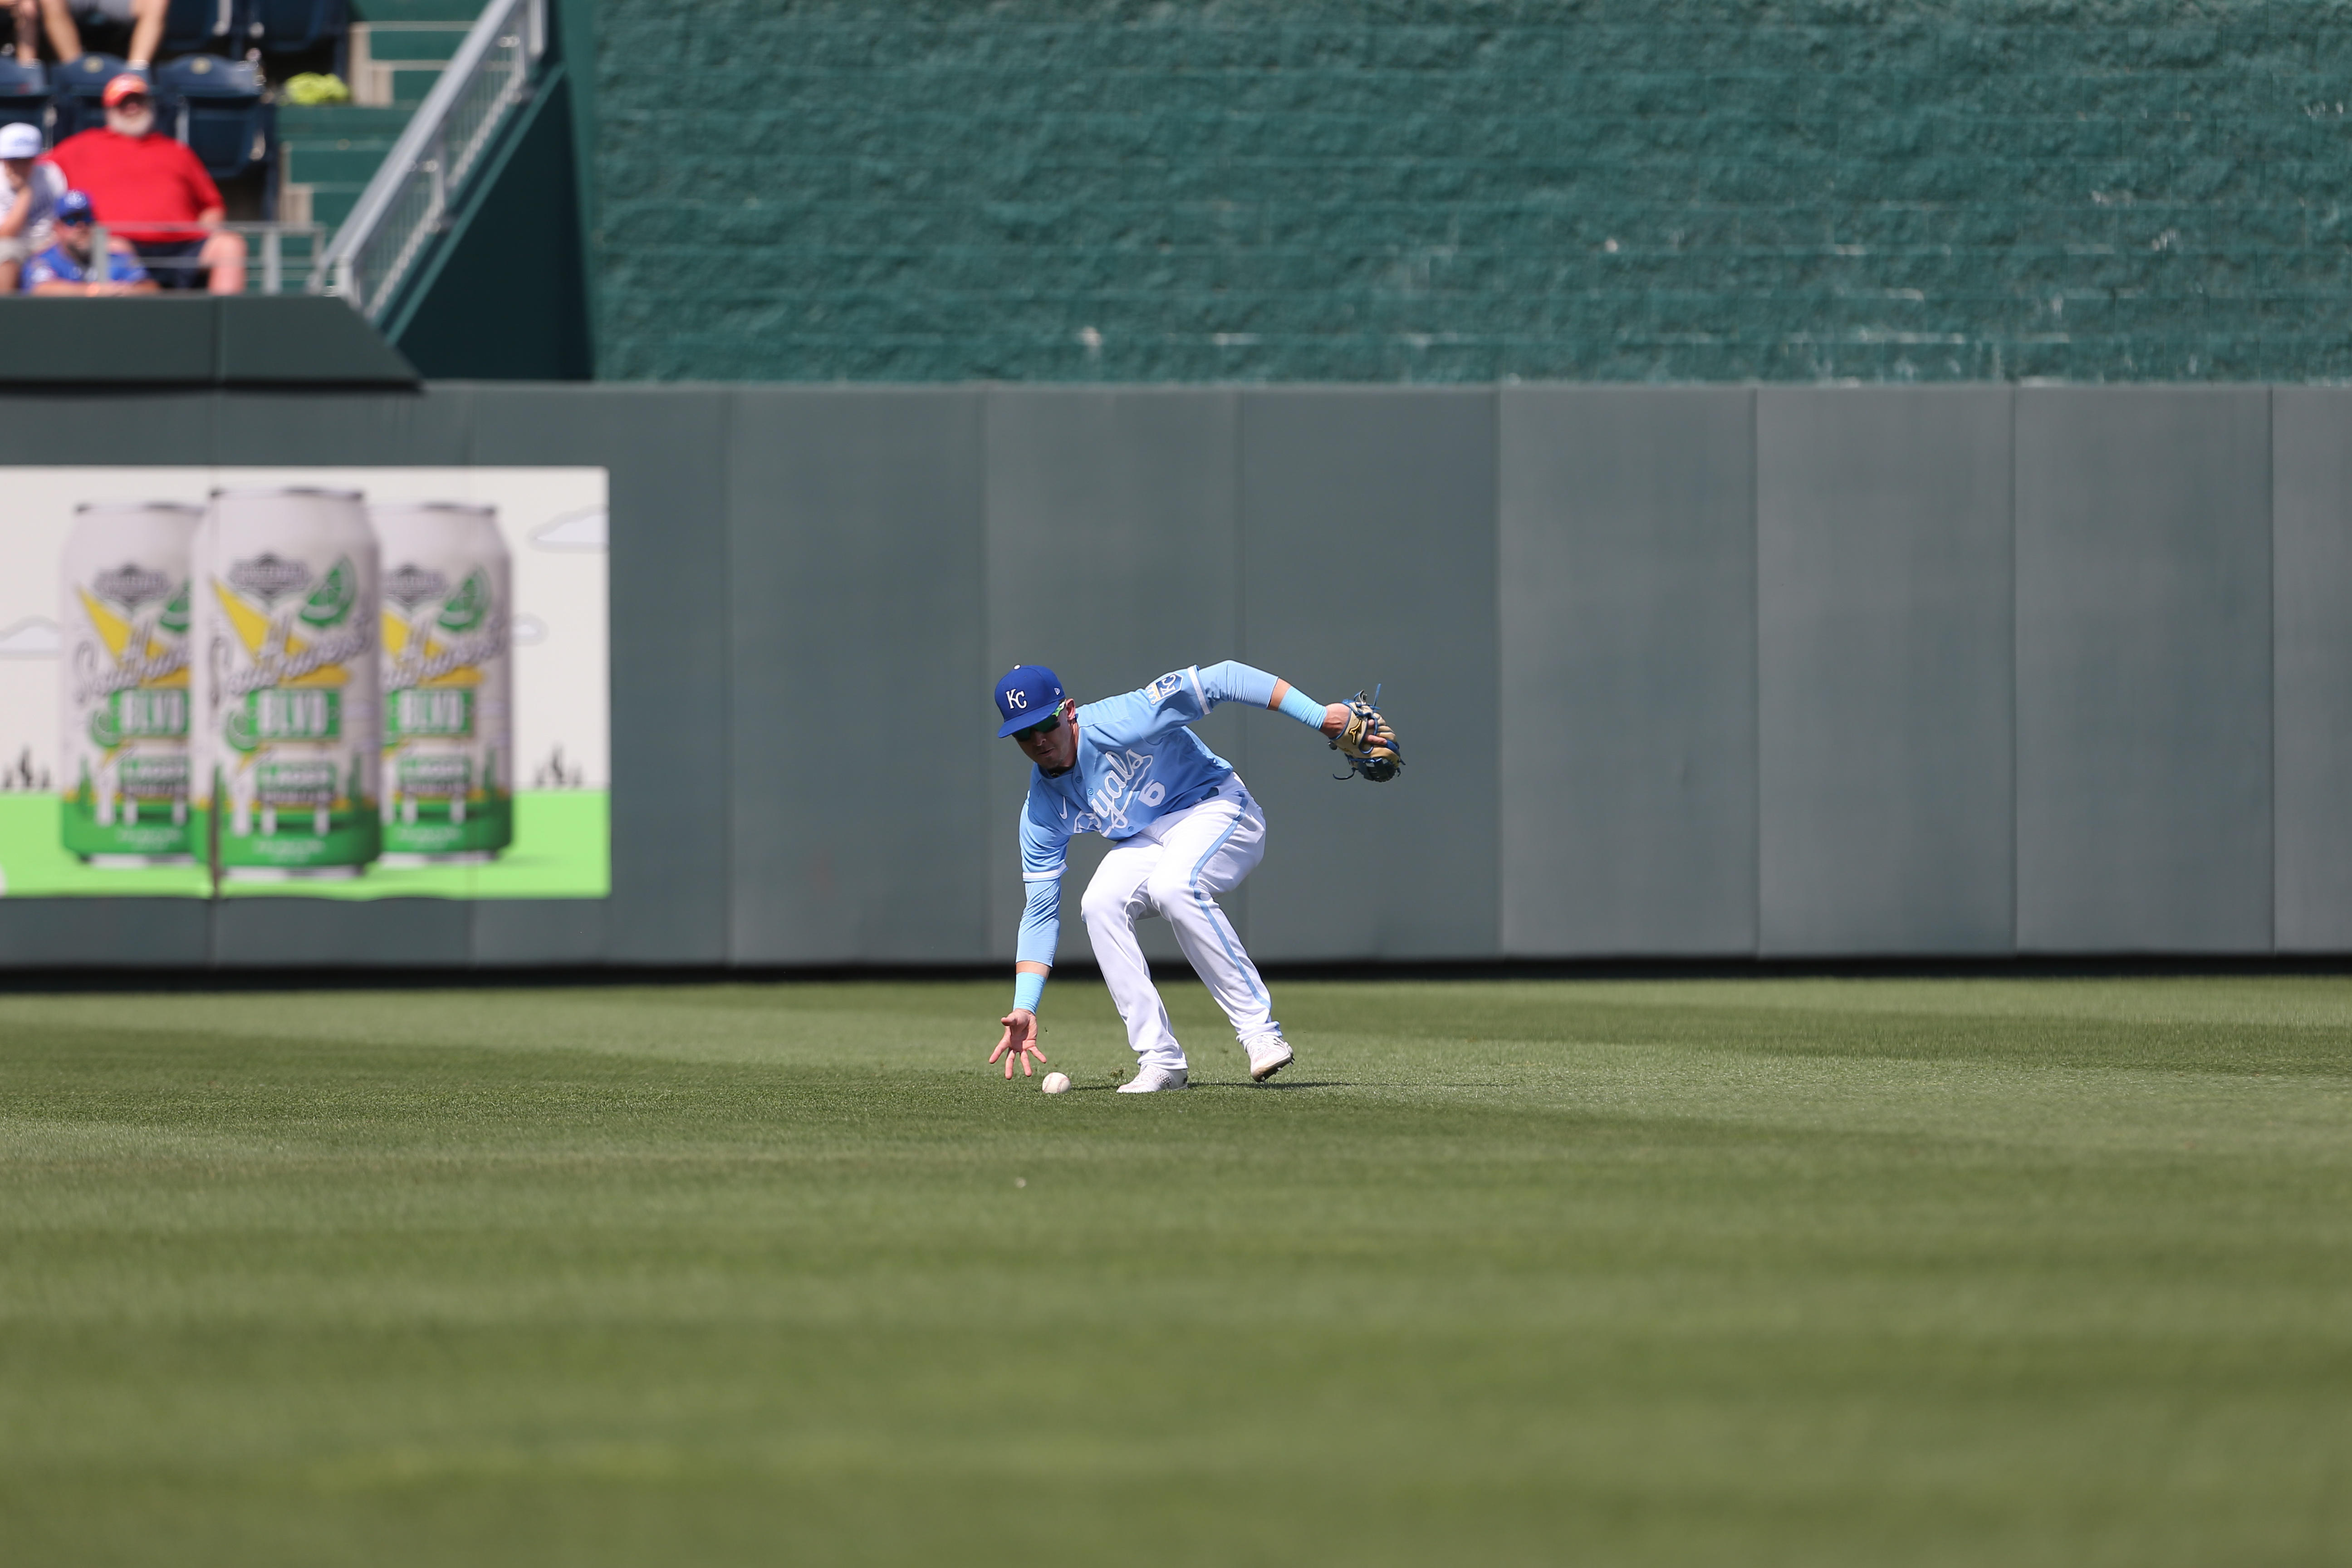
1809,1272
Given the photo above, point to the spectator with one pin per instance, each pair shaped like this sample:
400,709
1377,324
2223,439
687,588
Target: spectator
65,266
30,199
154,192
143,17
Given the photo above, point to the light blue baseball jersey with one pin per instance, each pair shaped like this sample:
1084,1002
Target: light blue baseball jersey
1137,762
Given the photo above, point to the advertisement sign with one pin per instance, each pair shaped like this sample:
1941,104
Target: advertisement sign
327,682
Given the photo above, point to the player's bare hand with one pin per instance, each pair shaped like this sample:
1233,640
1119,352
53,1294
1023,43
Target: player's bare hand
1335,719
1019,1043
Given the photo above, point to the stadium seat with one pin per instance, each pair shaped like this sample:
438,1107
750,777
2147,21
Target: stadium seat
217,110
191,26
24,93
293,26
80,88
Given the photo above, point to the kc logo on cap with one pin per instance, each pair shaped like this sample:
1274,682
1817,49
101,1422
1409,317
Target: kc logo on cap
1028,695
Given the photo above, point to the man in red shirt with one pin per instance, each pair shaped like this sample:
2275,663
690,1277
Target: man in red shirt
153,192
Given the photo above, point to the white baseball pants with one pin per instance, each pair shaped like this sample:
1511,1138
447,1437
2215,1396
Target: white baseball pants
1175,869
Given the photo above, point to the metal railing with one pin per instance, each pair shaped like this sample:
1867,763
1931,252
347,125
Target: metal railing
277,255
410,199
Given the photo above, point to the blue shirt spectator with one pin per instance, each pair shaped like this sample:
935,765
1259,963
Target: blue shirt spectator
65,266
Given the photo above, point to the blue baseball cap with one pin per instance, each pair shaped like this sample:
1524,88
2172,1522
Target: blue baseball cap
74,207
1028,695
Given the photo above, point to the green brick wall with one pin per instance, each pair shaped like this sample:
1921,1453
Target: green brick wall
1620,190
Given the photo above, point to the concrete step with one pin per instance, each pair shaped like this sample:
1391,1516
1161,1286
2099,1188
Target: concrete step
330,151
398,62
325,204
385,84
339,122
315,164
406,42
331,205
409,87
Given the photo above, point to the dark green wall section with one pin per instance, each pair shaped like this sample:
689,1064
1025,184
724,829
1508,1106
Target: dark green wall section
505,297
1411,190
194,340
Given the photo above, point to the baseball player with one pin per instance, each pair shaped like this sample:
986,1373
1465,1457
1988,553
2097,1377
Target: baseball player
1182,828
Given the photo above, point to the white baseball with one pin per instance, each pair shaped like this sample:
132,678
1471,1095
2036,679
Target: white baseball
1055,1083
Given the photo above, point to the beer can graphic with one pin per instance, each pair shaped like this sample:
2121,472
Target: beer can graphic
449,683
124,608
287,723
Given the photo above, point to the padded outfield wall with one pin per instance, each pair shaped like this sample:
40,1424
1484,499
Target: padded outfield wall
1471,190
1699,672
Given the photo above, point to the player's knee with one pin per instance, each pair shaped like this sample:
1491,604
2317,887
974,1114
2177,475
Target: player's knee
1102,903
1171,888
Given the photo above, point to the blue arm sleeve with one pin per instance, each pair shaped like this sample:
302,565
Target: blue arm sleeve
1041,932
1028,990
1235,682
1303,708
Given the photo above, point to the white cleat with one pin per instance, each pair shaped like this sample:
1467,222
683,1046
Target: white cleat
1268,1055
1152,1080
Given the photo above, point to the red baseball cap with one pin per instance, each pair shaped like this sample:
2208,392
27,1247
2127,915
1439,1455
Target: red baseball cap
130,84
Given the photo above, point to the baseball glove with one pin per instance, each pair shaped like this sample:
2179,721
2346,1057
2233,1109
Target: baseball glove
1368,743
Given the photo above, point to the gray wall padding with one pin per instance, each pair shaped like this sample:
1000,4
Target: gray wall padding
856,796
1628,618
395,932
2143,670
43,933
1884,574
1681,671
2311,542
1368,556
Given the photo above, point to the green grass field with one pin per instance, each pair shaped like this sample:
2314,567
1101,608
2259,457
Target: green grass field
1805,1272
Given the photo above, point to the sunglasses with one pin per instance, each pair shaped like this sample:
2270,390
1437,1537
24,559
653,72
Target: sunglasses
1039,731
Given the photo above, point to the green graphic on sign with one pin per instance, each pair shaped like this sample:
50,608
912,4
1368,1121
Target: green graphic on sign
330,601
428,710
139,712
299,714
468,605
